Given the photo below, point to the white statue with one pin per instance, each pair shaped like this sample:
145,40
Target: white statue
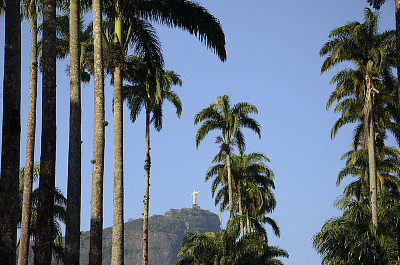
194,194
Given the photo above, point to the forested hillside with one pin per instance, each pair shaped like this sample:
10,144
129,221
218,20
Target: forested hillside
165,235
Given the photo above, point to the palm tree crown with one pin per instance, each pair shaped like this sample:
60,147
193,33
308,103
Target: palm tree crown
221,116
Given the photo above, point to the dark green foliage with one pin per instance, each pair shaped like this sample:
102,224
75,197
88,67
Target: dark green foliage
183,14
225,247
376,3
351,239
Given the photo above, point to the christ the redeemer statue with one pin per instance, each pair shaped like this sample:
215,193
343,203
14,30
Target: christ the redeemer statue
194,194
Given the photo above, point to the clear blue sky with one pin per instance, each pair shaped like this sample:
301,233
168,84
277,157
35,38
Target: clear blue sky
273,63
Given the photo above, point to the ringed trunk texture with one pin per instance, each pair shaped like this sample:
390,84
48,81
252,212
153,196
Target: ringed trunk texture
30,142
44,230
397,14
11,129
73,217
241,214
230,193
117,253
96,216
147,165
372,169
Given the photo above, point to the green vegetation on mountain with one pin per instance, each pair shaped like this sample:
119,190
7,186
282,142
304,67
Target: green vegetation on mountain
165,235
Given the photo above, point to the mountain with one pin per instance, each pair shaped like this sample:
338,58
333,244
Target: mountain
165,235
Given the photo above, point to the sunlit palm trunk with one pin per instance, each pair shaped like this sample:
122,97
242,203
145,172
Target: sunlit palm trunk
44,229
241,214
73,217
11,133
230,193
117,254
30,142
247,222
372,169
96,216
147,164
369,127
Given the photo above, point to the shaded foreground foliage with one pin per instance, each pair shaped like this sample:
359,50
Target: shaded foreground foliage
352,239
225,247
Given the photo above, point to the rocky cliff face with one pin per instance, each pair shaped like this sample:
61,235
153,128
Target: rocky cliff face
165,235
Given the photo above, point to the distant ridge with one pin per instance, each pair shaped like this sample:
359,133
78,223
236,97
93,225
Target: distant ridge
165,235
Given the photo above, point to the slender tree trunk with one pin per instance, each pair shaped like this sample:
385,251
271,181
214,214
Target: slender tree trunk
11,133
44,229
73,217
248,230
147,164
241,214
30,143
96,220
117,254
397,14
230,193
372,169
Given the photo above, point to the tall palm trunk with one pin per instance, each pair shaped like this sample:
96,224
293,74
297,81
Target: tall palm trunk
241,214
372,169
30,142
44,229
11,133
73,217
369,127
117,254
96,219
230,193
248,230
147,164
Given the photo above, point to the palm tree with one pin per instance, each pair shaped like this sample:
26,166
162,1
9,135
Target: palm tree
377,5
351,238
73,220
11,133
224,247
129,28
221,116
362,45
30,10
60,203
252,186
44,232
150,93
387,170
96,215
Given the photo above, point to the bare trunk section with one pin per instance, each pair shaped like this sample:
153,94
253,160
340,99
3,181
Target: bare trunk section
30,142
248,230
44,230
241,214
96,217
73,217
372,170
370,135
10,150
117,253
230,193
147,165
